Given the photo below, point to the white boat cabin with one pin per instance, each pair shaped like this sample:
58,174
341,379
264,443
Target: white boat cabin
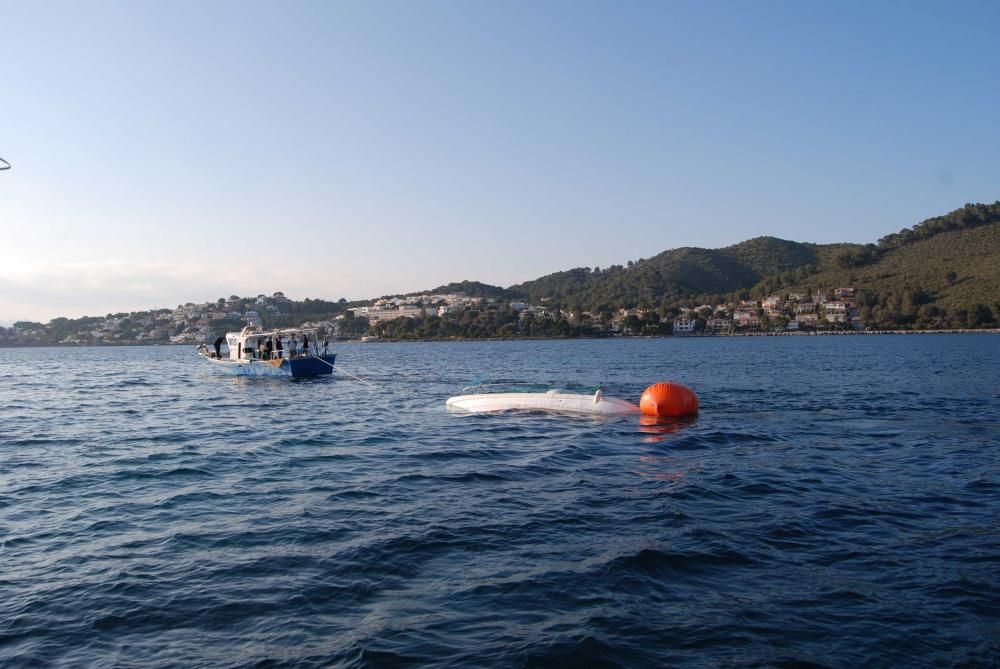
253,343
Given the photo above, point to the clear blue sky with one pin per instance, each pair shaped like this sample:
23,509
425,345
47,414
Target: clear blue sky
172,151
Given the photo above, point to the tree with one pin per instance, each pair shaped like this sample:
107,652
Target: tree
980,315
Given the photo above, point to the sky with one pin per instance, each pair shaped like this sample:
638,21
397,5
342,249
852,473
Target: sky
166,152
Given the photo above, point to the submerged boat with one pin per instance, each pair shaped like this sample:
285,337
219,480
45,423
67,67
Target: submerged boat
663,400
251,355
474,400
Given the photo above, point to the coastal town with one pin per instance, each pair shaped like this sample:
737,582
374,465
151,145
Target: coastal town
792,312
835,309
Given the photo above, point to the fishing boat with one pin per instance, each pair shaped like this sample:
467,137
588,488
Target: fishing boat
250,355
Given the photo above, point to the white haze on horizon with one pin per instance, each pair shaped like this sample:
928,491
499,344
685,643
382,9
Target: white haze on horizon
97,288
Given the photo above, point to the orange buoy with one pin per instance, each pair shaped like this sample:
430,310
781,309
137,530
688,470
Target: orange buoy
669,399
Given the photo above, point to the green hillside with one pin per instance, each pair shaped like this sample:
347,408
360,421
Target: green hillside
472,289
678,275
950,279
942,272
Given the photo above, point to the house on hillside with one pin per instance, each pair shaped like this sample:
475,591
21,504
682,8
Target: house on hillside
835,312
719,325
773,305
746,319
684,325
387,311
807,320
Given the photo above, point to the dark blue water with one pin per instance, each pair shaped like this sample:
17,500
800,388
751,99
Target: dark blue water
836,503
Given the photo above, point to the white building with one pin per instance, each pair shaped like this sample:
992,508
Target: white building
773,305
385,312
719,325
746,319
684,325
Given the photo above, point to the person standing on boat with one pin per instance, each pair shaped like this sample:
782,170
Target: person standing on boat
268,348
278,346
292,345
326,346
218,347
305,344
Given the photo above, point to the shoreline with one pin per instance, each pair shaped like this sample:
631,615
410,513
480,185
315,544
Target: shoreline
693,335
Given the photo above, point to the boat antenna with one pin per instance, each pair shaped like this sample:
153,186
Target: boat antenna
5,165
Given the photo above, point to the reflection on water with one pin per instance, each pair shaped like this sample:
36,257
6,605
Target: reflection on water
659,464
662,429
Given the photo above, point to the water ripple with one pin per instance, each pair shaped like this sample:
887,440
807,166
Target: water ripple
813,515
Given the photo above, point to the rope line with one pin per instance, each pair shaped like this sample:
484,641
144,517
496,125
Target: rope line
339,369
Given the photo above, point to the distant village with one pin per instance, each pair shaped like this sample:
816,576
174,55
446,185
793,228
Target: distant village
202,323
780,313
777,313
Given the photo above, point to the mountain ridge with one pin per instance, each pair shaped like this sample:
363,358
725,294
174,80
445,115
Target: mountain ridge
766,263
942,272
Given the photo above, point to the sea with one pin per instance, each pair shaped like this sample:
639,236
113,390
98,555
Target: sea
836,503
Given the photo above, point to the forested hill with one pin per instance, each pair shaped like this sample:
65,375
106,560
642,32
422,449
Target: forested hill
674,275
916,276
472,289
954,259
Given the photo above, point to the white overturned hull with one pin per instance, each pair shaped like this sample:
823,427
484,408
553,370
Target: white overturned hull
552,402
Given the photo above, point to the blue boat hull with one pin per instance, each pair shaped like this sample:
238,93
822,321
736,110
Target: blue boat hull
310,366
295,368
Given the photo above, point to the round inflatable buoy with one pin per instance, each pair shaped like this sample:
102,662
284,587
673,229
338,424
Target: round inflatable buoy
669,400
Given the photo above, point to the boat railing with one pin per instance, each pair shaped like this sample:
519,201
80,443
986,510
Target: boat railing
250,349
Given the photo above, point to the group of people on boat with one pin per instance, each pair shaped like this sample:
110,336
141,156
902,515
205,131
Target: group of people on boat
272,347
267,348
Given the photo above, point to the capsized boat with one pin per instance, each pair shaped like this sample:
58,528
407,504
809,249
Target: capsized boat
250,355
666,399
474,400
